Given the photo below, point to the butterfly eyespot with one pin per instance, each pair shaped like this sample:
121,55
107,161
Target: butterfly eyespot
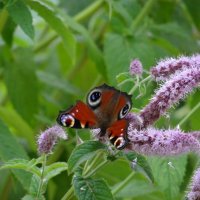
119,143
67,120
94,97
124,111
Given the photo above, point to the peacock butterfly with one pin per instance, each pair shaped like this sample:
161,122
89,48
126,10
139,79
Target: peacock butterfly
106,109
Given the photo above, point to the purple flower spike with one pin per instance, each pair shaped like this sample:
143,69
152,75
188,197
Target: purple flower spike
135,119
136,67
166,67
196,134
170,93
194,193
48,139
161,142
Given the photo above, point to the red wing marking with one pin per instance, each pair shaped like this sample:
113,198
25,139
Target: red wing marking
118,129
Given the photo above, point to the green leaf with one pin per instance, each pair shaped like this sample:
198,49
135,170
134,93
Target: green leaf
192,163
94,51
177,35
35,184
22,164
21,82
62,30
28,197
141,164
33,197
54,169
21,15
14,120
119,51
53,81
84,152
8,30
169,174
93,189
10,149
138,189
193,11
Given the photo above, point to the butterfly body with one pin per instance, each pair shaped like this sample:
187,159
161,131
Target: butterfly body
106,108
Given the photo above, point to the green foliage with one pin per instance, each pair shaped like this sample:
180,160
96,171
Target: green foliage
10,149
21,15
21,83
140,164
83,152
58,26
31,166
51,54
95,189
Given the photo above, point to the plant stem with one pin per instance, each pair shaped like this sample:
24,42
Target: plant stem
122,184
3,18
96,169
92,165
147,7
125,81
42,176
46,43
137,84
88,11
82,15
69,194
189,114
188,16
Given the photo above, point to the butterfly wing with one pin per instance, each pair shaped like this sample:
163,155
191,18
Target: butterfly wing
78,116
118,133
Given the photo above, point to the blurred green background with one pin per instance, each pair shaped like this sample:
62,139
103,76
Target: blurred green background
53,52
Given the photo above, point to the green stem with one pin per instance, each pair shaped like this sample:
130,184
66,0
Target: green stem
136,85
82,15
88,167
3,18
88,11
123,183
138,20
188,17
46,43
69,194
42,176
92,172
189,114
125,81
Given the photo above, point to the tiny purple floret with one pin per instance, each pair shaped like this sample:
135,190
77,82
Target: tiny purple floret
169,66
194,193
47,139
136,67
161,142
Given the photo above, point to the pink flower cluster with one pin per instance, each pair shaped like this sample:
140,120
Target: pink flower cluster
170,93
47,139
161,142
136,67
166,67
176,87
179,78
194,193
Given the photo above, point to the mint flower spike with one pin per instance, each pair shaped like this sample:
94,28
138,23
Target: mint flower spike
136,67
169,66
47,139
196,134
170,93
194,193
161,142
